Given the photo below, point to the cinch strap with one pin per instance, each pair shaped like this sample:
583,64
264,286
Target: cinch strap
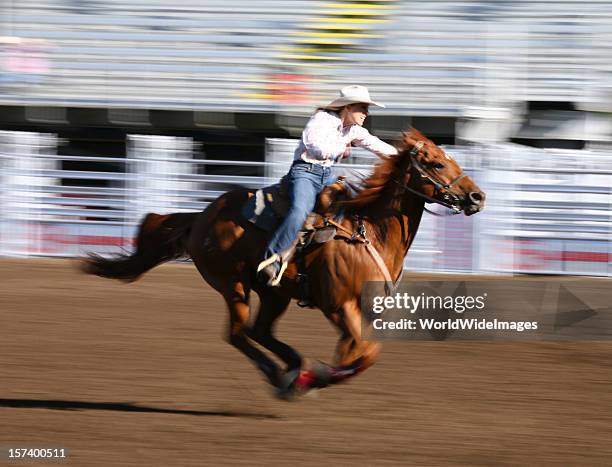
390,286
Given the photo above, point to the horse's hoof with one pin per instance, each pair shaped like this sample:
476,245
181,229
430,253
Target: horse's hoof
323,374
296,383
288,395
285,390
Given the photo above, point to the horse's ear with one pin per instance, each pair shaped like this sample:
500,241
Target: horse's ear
400,144
407,139
412,135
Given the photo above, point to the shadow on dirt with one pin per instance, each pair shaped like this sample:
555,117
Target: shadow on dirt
122,407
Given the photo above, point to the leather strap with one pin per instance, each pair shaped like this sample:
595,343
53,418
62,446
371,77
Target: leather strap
390,286
382,266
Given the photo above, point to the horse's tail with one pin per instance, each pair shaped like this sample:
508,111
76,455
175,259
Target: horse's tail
160,239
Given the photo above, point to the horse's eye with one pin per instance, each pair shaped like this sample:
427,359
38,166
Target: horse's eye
437,166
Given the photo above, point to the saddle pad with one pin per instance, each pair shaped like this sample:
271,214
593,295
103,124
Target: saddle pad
266,208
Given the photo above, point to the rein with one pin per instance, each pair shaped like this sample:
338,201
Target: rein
450,200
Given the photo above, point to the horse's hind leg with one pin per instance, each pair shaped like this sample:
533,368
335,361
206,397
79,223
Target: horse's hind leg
272,306
237,301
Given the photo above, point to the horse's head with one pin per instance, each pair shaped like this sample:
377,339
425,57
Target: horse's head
436,176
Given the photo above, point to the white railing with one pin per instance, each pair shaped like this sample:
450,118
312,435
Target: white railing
547,211
552,211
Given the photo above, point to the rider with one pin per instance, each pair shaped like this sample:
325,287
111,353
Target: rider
326,139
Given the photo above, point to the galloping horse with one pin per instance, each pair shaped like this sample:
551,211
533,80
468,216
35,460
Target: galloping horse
226,250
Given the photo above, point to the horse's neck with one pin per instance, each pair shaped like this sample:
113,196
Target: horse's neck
395,230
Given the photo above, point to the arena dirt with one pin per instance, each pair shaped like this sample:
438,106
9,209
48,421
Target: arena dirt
140,374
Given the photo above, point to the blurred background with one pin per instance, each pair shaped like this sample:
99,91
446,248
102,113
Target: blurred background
113,108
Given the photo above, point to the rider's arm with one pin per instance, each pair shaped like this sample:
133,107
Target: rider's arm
362,137
322,137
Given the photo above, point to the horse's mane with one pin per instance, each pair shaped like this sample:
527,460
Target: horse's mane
380,182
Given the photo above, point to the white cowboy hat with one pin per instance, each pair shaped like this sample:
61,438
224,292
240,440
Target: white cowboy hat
352,95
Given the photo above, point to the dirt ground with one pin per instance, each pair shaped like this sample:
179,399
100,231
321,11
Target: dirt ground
140,374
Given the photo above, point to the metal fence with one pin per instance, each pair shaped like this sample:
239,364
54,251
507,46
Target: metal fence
548,211
552,211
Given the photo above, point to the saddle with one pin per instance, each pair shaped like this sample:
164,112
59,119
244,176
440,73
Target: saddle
267,207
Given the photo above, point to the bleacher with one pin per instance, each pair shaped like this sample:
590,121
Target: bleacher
422,57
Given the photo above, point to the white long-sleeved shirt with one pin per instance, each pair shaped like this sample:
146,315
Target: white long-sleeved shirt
325,141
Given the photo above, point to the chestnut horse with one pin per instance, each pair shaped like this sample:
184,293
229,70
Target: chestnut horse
226,249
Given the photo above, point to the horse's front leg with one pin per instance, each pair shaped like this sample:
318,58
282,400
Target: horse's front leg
353,354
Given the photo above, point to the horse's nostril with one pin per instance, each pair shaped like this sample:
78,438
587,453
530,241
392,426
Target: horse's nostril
476,197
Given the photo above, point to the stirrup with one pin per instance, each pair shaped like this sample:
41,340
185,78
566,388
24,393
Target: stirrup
275,280
279,276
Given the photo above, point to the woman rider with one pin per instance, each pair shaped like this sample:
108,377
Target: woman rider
326,139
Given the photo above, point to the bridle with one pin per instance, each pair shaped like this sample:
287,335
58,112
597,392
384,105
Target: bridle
449,199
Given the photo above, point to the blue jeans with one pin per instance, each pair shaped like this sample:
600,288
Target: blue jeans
305,182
